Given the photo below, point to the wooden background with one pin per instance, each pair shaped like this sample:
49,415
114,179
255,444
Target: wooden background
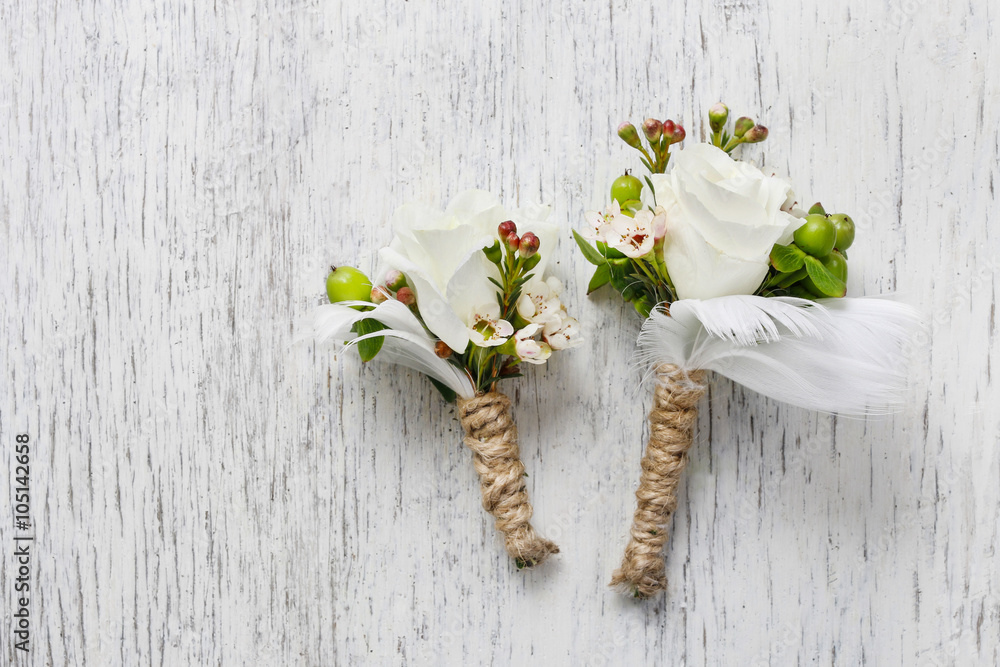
176,176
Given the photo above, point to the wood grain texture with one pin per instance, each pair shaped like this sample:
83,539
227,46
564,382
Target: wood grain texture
174,177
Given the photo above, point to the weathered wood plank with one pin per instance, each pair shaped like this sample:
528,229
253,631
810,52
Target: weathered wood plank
174,177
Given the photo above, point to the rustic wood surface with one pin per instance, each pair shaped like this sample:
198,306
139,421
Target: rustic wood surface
174,177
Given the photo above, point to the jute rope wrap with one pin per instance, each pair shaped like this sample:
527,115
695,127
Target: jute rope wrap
492,436
671,422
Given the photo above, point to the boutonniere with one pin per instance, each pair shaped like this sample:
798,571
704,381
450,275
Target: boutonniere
731,277
464,299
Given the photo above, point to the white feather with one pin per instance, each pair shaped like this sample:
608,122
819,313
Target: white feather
835,355
407,342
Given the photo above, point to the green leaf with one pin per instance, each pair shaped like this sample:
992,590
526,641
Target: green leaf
609,253
787,258
651,188
589,251
646,163
494,281
369,347
622,274
446,393
602,276
786,279
493,252
823,278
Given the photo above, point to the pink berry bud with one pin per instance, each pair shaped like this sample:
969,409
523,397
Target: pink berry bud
529,245
679,134
406,296
742,126
379,295
394,280
507,228
629,135
512,241
652,128
442,350
756,134
717,116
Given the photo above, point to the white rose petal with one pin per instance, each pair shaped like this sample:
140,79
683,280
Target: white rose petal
722,219
440,253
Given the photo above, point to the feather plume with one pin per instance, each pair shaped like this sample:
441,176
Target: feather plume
407,342
835,355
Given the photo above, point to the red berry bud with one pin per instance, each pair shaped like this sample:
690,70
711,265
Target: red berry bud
512,241
442,350
679,135
668,130
379,295
506,228
406,296
529,245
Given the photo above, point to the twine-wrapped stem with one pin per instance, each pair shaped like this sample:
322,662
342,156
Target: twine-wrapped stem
671,422
492,436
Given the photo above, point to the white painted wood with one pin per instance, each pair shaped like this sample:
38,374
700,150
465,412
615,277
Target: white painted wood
175,176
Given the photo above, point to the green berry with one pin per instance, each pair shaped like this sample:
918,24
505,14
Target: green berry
845,230
816,236
630,207
817,208
625,188
348,284
837,264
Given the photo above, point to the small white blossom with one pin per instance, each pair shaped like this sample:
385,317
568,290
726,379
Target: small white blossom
563,334
601,225
488,329
633,236
528,349
539,302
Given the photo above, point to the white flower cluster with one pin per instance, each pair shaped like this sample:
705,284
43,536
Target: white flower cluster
441,255
540,305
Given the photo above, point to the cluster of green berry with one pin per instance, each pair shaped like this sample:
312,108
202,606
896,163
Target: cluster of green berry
814,265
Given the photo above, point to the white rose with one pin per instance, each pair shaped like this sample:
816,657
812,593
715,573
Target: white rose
440,253
723,217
